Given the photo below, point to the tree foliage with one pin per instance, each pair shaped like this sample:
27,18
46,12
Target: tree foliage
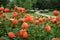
48,4
29,4
25,3
4,2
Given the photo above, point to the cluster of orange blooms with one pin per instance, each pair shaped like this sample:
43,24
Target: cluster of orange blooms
36,21
55,39
28,18
22,33
5,10
24,26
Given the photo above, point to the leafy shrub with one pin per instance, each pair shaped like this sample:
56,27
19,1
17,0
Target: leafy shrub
23,26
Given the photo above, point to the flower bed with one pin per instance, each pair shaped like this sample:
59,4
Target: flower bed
23,26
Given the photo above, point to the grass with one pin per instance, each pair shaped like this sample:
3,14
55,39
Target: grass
35,15
50,13
32,14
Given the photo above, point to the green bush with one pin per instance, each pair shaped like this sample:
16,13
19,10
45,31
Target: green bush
24,3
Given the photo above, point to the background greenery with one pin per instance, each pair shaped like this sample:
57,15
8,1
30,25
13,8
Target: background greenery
29,4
